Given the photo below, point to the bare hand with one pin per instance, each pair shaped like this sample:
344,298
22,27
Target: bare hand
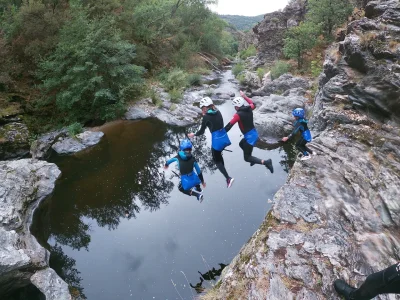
241,93
285,139
204,185
190,135
165,167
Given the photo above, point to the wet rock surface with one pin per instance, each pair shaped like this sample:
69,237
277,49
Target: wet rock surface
24,184
14,140
338,215
62,143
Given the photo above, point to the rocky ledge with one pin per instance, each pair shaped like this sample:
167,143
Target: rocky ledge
62,143
338,215
22,260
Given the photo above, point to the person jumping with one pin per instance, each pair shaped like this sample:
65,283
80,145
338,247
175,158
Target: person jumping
244,116
190,180
212,118
301,125
386,281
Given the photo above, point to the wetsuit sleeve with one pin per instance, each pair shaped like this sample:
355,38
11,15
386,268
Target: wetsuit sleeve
250,102
170,161
198,171
202,128
232,122
298,126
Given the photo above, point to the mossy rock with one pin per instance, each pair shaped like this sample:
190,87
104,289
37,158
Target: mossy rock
14,141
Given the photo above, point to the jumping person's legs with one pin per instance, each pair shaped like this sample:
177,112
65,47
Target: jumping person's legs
301,146
219,162
195,191
383,282
248,150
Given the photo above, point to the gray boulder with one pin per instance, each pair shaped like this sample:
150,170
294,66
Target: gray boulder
282,84
82,141
136,113
14,141
251,80
24,184
41,148
52,286
273,118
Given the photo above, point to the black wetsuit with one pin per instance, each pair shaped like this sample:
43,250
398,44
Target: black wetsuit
214,121
244,117
301,125
383,282
186,166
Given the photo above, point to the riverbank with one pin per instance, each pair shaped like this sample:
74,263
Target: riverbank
338,215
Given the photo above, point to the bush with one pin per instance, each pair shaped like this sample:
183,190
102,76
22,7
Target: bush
175,80
279,68
194,79
250,51
316,66
155,97
74,129
241,78
237,69
91,72
176,95
260,73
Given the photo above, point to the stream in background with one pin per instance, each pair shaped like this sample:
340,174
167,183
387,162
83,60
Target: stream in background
118,228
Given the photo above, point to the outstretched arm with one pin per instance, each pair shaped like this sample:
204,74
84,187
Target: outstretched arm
249,101
297,127
202,128
170,161
232,122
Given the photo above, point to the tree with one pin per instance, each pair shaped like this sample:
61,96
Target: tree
91,71
328,13
299,39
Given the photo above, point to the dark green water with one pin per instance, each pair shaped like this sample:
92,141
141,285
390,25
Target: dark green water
118,228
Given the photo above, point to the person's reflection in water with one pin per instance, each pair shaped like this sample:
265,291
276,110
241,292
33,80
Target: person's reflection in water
209,275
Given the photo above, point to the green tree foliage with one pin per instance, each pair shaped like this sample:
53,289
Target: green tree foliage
250,51
328,13
242,22
279,68
299,39
33,30
91,71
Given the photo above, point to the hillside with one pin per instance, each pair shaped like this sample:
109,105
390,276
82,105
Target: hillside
242,22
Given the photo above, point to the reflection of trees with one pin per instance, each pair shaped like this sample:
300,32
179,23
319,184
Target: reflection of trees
208,276
65,268
115,180
288,156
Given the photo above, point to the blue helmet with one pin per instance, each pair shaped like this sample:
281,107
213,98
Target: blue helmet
298,112
185,144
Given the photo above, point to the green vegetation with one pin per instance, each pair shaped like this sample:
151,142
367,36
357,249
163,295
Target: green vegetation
328,13
322,17
299,40
260,73
250,51
279,68
238,68
242,22
74,129
83,60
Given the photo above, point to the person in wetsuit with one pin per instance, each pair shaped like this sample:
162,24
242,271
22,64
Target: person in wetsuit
244,116
212,118
190,180
301,125
383,282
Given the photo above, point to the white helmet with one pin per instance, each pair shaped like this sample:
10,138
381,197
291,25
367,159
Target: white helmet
206,102
238,101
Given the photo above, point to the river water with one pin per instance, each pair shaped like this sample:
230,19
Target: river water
118,228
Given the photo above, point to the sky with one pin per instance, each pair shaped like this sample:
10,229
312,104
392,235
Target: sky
248,7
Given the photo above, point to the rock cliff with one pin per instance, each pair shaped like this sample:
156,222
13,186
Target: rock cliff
24,183
269,33
338,215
